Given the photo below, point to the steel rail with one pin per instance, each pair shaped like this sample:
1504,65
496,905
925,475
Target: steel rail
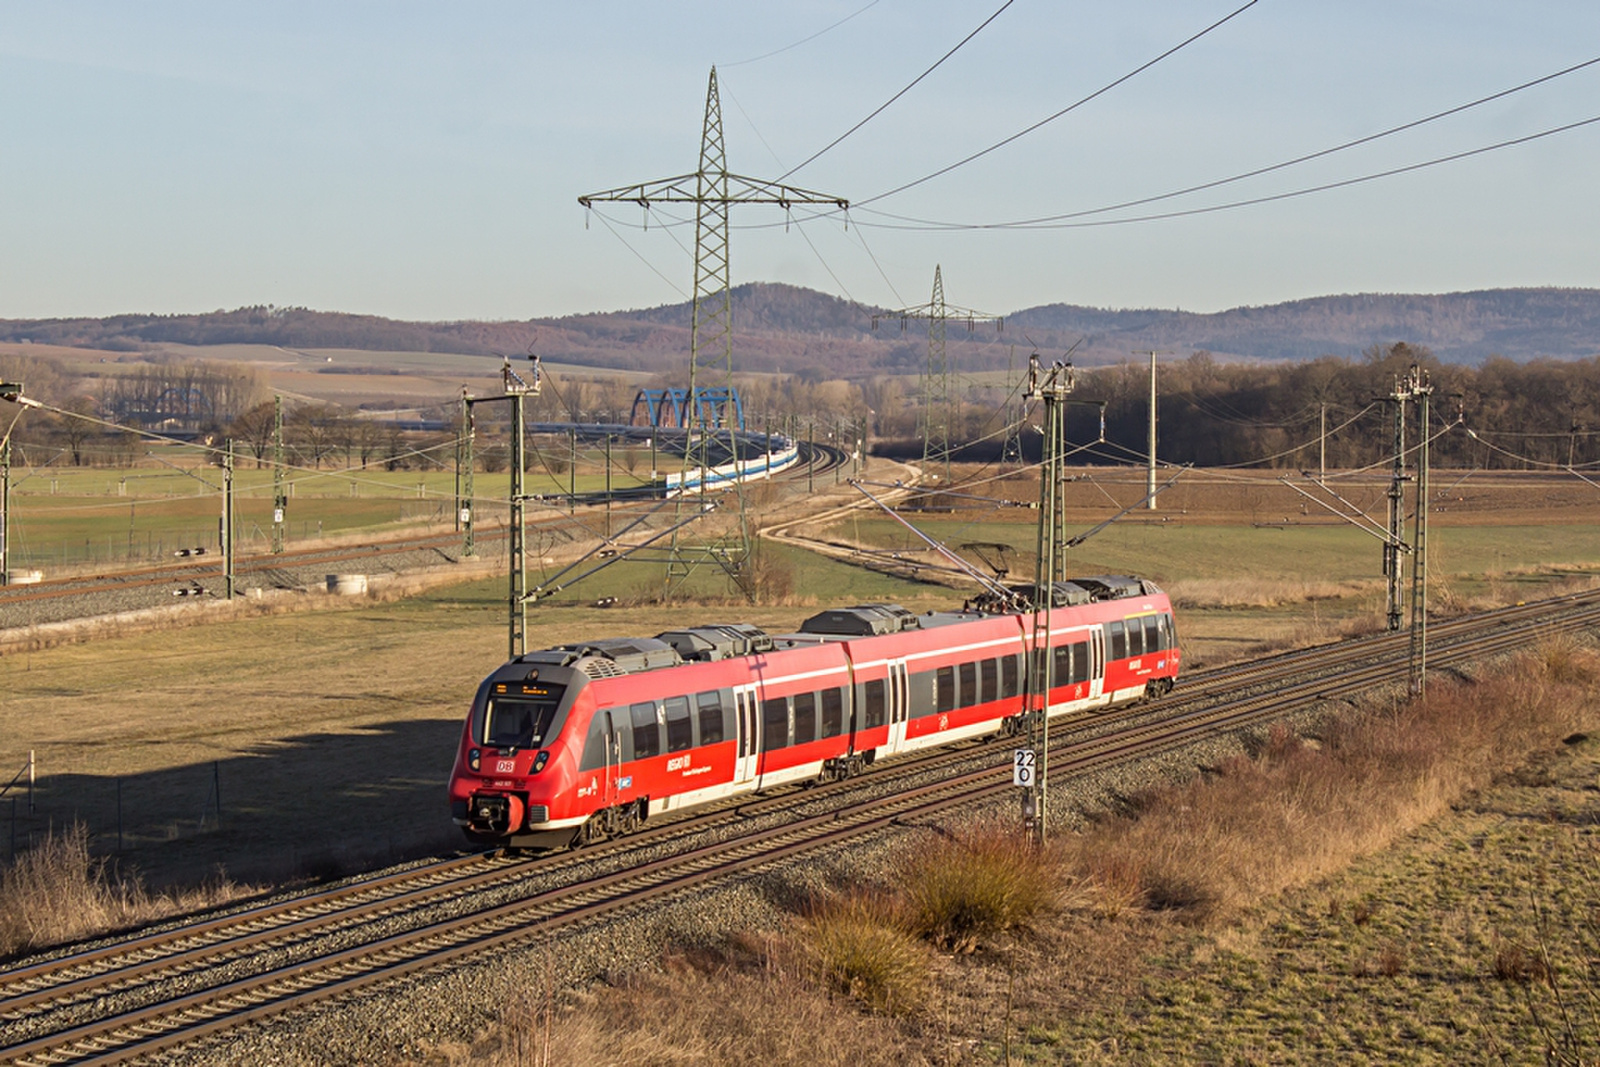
32,984
864,815
166,573
49,982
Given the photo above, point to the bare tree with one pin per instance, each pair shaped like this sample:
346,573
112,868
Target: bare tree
254,427
312,431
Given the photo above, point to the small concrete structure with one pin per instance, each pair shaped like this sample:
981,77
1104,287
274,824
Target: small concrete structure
347,584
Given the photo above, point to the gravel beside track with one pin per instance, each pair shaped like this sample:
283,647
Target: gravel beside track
455,1001
304,571
410,1019
440,1007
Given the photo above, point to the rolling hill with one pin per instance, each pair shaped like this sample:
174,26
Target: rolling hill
790,329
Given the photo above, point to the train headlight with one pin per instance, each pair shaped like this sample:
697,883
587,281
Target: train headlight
474,758
540,760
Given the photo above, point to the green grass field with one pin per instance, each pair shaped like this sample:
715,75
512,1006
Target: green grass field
71,516
1182,551
330,731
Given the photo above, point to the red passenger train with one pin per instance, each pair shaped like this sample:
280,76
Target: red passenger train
583,741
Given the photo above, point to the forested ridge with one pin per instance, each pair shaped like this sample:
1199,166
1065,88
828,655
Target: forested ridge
789,329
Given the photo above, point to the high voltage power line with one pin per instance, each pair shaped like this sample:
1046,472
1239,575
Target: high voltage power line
912,85
1266,198
1081,218
804,40
1258,171
1064,111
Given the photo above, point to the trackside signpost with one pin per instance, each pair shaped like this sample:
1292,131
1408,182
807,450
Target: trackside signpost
1023,768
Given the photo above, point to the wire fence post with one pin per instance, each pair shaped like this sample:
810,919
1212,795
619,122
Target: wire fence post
119,814
30,781
214,794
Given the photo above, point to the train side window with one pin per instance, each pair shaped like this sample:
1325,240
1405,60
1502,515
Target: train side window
1010,677
922,693
969,684
805,717
774,723
989,672
874,704
1135,637
594,746
1118,640
832,712
944,688
646,730
1062,674
680,728
709,706
1152,634
1080,662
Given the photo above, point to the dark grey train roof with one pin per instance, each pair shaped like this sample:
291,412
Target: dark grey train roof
863,620
718,640
615,656
1083,590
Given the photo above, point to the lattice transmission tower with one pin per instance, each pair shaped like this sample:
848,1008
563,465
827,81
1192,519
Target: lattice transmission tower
713,191
938,416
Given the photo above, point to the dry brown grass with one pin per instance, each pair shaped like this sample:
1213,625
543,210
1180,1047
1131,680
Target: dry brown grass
708,1012
1262,592
859,945
384,589
1515,962
1301,810
988,879
1198,853
56,892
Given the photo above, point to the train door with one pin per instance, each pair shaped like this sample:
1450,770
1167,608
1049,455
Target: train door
747,724
613,759
1097,660
899,704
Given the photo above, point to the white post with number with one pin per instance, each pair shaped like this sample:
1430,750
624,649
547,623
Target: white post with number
1023,768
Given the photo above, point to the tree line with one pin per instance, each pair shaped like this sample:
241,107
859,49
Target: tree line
1214,414
1211,412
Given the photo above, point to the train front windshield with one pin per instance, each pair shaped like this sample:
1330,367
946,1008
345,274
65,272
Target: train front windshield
518,722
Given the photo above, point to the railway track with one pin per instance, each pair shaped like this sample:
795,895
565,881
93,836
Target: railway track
156,581
139,995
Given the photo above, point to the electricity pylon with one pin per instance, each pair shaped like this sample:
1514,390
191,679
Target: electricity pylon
938,399
713,191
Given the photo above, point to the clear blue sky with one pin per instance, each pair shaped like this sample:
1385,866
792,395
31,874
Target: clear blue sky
423,161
